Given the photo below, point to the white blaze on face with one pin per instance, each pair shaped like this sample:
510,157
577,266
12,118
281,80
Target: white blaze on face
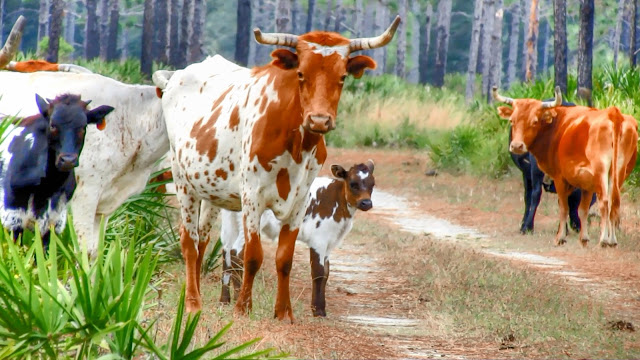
363,174
342,50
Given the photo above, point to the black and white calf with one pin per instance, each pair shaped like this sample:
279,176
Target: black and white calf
331,205
37,164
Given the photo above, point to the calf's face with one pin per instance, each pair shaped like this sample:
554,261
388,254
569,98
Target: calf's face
68,117
358,183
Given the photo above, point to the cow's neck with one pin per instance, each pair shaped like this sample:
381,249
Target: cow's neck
544,145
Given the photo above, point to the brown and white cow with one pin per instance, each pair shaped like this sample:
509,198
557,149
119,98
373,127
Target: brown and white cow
579,147
253,140
331,206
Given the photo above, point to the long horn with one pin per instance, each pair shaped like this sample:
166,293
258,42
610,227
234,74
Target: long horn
377,41
556,102
13,41
72,68
500,98
282,39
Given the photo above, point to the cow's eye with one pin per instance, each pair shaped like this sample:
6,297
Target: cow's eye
342,79
354,186
300,76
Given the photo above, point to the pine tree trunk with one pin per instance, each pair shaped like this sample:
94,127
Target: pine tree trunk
327,19
425,39
196,52
495,67
185,32
532,42
146,60
70,24
633,32
243,32
311,6
546,28
359,18
378,54
112,40
174,33
488,23
402,39
560,44
295,11
160,31
104,28
414,73
514,36
92,32
55,30
585,50
368,23
526,12
43,21
337,11
283,16
473,51
124,54
617,32
264,20
442,42
386,64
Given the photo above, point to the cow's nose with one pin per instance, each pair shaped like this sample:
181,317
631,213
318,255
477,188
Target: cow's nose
321,123
67,162
365,204
517,147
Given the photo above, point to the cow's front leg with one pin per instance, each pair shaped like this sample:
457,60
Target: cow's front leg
208,215
284,261
318,279
563,191
189,239
253,256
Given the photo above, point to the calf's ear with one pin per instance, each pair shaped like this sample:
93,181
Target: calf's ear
96,116
43,105
370,165
338,171
505,112
284,59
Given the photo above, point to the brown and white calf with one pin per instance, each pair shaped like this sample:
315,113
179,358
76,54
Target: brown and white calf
331,207
252,140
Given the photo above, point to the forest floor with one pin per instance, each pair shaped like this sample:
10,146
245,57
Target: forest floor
391,295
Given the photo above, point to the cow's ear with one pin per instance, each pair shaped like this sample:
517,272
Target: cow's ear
357,64
96,116
370,165
548,116
505,112
338,171
43,105
284,59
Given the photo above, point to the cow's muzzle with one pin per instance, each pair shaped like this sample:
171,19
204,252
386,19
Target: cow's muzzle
365,204
517,147
320,124
66,162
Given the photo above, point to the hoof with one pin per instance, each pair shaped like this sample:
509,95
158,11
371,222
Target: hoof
561,242
242,307
319,313
286,315
193,304
584,242
225,299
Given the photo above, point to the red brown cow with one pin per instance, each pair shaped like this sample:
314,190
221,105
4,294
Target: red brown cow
252,140
579,147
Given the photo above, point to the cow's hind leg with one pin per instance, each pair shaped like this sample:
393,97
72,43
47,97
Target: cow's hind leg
208,214
237,265
317,279
563,190
284,260
225,295
189,244
583,213
253,257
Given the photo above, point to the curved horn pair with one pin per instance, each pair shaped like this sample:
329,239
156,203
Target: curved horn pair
13,42
545,104
291,40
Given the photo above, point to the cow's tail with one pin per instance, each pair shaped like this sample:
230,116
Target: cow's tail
161,78
616,117
72,68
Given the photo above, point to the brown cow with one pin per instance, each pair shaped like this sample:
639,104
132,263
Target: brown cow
579,147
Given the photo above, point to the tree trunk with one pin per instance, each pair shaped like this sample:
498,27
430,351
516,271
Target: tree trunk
473,51
402,39
617,32
489,11
310,10
585,50
632,32
174,33
92,33
243,32
560,44
196,52
359,18
546,27
495,67
146,60
414,74
526,11
295,10
442,42
368,24
327,19
124,55
425,39
104,28
264,21
112,40
378,54
160,31
55,30
186,27
283,16
532,42
70,24
43,21
1,20
337,11
512,61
